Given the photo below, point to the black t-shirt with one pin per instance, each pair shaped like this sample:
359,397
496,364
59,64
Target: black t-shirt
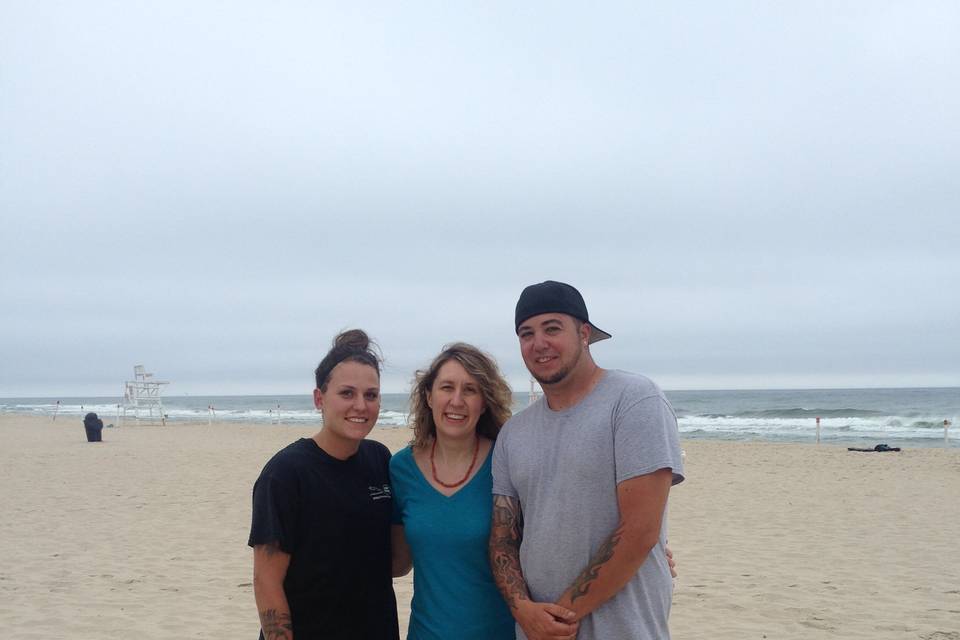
333,518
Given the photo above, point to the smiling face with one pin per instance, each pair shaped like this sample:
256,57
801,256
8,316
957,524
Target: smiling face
350,402
552,345
456,401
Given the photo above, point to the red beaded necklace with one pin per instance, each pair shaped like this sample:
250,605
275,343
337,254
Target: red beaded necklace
433,467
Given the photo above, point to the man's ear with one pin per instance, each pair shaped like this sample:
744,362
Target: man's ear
585,331
318,399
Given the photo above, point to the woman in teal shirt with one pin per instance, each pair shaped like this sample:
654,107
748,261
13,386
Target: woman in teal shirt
442,498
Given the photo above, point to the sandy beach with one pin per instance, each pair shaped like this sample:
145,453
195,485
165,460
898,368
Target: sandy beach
144,535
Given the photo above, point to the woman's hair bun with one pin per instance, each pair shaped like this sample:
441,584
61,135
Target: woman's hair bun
353,345
352,339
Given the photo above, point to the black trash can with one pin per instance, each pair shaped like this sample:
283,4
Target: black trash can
94,427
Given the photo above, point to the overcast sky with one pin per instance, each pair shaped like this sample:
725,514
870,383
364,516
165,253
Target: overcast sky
748,194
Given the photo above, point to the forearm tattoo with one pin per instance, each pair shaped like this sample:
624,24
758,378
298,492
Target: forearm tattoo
276,625
581,585
506,533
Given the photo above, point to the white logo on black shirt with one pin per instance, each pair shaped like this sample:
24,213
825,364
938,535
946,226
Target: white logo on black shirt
380,493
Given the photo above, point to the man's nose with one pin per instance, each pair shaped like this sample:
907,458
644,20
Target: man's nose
539,343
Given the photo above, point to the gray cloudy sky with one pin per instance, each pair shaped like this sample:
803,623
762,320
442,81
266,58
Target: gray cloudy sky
748,194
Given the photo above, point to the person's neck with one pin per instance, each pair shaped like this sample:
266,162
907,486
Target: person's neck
339,448
453,450
574,387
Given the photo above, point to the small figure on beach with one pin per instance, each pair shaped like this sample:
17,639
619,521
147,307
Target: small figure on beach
93,425
584,472
879,448
442,497
321,514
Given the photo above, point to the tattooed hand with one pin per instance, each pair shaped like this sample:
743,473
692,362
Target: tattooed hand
276,625
546,621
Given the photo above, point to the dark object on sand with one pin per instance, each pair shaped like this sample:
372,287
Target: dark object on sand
879,447
94,427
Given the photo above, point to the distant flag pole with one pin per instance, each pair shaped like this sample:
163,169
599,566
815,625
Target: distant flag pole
818,429
57,408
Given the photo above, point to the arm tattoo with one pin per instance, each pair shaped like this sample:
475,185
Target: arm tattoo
581,585
276,625
506,534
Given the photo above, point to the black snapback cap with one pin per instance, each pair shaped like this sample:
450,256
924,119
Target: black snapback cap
555,297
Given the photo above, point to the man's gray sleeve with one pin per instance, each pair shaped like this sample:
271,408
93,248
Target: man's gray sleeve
501,469
646,439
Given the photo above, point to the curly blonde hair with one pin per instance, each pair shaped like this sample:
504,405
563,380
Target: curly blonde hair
496,393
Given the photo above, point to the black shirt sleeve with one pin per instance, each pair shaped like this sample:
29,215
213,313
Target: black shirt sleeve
275,507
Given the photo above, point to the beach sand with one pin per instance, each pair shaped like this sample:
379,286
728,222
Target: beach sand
144,535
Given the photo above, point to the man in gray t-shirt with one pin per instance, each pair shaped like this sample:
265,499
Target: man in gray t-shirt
580,483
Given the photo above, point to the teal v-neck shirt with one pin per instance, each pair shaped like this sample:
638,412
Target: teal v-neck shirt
454,595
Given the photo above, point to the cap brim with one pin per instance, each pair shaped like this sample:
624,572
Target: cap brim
596,335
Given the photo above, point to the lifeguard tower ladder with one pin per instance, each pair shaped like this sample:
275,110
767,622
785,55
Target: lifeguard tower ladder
141,397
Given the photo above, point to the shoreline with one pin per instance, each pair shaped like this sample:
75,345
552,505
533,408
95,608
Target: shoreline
862,418
933,442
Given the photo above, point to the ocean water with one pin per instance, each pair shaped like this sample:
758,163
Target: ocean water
898,417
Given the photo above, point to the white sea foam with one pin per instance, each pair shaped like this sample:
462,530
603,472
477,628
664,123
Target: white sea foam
110,413
895,415
792,428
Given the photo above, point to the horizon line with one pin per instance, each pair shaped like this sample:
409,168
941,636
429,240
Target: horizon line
266,395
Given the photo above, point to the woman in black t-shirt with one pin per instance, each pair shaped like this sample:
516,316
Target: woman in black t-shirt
321,514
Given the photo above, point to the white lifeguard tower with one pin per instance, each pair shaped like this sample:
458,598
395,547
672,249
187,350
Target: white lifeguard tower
142,397
535,392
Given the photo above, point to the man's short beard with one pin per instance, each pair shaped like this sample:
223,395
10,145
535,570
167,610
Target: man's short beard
554,379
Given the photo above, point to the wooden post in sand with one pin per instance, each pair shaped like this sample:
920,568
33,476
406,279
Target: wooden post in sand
818,429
